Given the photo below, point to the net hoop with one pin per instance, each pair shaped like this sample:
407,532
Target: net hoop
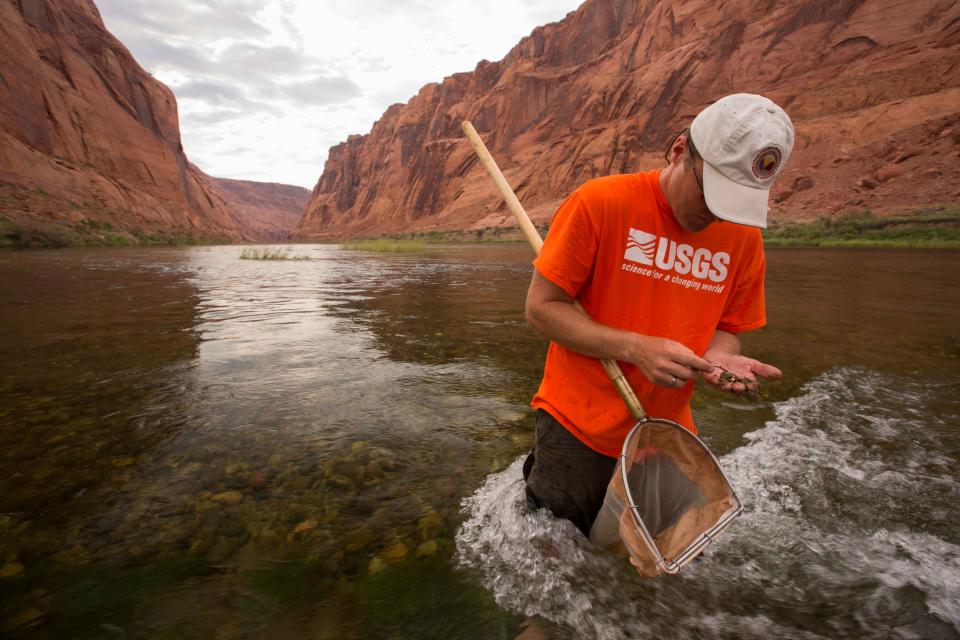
620,526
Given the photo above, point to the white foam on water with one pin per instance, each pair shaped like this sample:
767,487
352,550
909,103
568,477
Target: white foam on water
849,496
533,563
923,561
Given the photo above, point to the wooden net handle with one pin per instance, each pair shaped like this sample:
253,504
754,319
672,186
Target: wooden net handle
536,242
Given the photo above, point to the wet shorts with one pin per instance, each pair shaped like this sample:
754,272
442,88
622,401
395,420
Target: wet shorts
565,475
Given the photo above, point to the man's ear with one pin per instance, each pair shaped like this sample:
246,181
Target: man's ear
678,149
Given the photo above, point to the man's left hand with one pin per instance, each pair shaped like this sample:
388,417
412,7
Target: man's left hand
738,374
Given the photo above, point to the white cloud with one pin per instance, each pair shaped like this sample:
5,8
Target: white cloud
266,87
319,91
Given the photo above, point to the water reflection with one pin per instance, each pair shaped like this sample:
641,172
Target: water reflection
458,308
302,448
896,310
196,445
97,352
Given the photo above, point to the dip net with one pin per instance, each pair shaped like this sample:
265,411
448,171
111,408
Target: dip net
667,500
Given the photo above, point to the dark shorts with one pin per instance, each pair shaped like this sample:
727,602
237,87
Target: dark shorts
565,475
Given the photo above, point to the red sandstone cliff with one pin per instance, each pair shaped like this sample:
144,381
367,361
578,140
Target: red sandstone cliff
873,88
86,134
269,211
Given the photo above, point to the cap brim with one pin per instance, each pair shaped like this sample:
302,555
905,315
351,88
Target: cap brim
734,202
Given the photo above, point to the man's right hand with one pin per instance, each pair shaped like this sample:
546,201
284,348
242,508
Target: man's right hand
665,362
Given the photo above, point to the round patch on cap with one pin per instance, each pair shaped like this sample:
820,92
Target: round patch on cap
766,163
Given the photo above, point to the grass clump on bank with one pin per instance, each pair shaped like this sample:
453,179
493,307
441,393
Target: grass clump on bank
929,228
384,245
270,253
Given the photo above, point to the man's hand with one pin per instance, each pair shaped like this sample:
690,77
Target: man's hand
738,374
666,362
551,312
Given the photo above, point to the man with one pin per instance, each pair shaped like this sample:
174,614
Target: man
669,268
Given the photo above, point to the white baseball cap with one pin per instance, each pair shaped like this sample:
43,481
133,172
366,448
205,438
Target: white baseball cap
745,140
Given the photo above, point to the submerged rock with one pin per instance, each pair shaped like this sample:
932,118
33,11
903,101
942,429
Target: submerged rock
233,526
395,552
224,547
430,525
300,483
26,619
204,506
359,446
306,525
257,480
340,482
374,470
230,498
376,566
362,537
202,542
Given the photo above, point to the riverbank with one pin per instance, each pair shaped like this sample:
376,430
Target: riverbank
933,227
90,233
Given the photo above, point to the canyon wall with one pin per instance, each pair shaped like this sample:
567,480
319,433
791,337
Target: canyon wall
873,88
88,136
266,210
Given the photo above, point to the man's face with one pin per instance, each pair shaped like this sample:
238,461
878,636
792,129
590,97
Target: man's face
691,209
685,189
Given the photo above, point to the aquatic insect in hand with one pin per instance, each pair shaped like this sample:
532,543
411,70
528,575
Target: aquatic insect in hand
729,377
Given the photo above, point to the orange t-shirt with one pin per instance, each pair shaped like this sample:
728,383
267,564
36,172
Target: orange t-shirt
615,245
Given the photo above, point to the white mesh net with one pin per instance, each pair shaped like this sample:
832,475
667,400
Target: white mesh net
667,481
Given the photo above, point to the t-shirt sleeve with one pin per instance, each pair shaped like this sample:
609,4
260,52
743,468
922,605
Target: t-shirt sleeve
570,248
746,307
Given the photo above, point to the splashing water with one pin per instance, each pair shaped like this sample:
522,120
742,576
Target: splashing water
848,531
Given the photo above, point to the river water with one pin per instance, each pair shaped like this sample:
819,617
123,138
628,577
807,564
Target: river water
198,446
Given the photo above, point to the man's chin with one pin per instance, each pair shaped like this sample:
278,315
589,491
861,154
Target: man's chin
698,224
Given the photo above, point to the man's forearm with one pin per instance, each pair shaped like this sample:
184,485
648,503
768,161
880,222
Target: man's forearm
574,329
551,312
723,343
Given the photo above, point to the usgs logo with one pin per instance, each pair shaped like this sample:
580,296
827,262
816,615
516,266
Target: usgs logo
646,248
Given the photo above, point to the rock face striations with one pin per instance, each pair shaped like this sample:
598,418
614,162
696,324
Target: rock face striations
86,135
873,89
266,210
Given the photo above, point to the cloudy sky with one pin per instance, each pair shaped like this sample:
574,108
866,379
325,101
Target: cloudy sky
266,87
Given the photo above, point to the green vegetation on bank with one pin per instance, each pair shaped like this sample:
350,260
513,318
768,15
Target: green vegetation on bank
270,253
416,241
90,233
928,227
27,222
384,245
936,227
462,236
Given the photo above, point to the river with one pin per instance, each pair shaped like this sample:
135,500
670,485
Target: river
198,446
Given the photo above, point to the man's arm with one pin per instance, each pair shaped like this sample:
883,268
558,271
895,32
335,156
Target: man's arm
724,354
550,312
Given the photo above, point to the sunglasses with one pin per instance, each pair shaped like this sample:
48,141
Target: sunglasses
692,150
